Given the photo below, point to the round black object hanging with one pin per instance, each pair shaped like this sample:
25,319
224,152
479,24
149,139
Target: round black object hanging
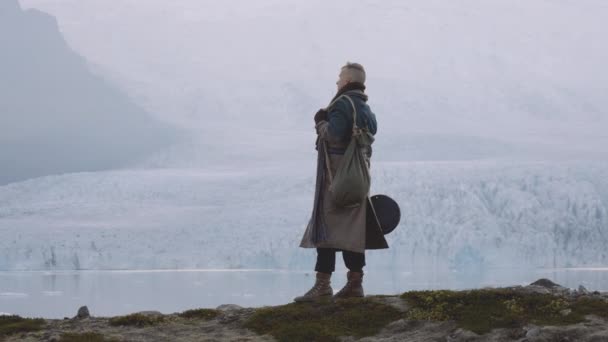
387,211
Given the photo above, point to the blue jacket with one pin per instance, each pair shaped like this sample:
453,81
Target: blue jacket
340,116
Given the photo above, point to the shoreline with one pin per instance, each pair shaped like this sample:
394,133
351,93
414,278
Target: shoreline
537,312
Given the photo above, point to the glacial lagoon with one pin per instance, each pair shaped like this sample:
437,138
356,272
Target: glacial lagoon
59,294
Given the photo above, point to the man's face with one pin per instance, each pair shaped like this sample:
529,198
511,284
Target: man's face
343,79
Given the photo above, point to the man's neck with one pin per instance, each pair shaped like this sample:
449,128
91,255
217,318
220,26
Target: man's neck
349,87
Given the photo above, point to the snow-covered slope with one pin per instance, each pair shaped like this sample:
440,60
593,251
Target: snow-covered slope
455,215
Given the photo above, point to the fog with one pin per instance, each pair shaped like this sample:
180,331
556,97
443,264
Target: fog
458,80
55,115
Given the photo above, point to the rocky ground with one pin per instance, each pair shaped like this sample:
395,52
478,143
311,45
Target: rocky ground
227,326
541,311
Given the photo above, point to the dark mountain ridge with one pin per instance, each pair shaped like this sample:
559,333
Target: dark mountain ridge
56,116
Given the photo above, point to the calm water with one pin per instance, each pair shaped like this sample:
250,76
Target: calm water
108,293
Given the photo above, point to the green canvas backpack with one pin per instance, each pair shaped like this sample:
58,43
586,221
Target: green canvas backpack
351,184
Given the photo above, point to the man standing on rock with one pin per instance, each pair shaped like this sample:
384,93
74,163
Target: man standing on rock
351,229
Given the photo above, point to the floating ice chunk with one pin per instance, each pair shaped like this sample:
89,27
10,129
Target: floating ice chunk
14,294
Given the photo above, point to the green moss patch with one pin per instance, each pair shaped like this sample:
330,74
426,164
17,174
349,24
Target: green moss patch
590,306
137,320
323,321
14,324
481,311
85,337
206,314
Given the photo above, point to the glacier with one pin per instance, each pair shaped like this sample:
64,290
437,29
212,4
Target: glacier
456,215
492,121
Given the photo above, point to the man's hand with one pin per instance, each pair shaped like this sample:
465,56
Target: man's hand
320,116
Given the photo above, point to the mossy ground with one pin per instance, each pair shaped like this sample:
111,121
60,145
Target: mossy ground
481,311
137,320
323,321
85,337
206,314
14,324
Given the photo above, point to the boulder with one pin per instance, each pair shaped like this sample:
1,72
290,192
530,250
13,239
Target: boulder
83,312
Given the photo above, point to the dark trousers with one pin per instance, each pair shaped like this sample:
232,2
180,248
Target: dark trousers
326,260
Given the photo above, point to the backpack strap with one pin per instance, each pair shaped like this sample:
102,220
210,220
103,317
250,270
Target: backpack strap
356,129
327,161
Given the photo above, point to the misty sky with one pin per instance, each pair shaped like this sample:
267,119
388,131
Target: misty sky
446,79
56,115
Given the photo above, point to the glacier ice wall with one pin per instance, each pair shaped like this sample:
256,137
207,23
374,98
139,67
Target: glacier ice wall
456,215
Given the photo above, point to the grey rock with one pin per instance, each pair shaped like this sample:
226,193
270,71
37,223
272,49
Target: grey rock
565,312
461,335
546,283
83,312
229,307
150,313
546,286
533,332
536,289
582,289
229,317
393,301
230,313
235,315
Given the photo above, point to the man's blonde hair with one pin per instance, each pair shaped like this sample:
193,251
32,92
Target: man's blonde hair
355,71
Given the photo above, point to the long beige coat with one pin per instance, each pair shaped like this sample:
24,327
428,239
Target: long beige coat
350,229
